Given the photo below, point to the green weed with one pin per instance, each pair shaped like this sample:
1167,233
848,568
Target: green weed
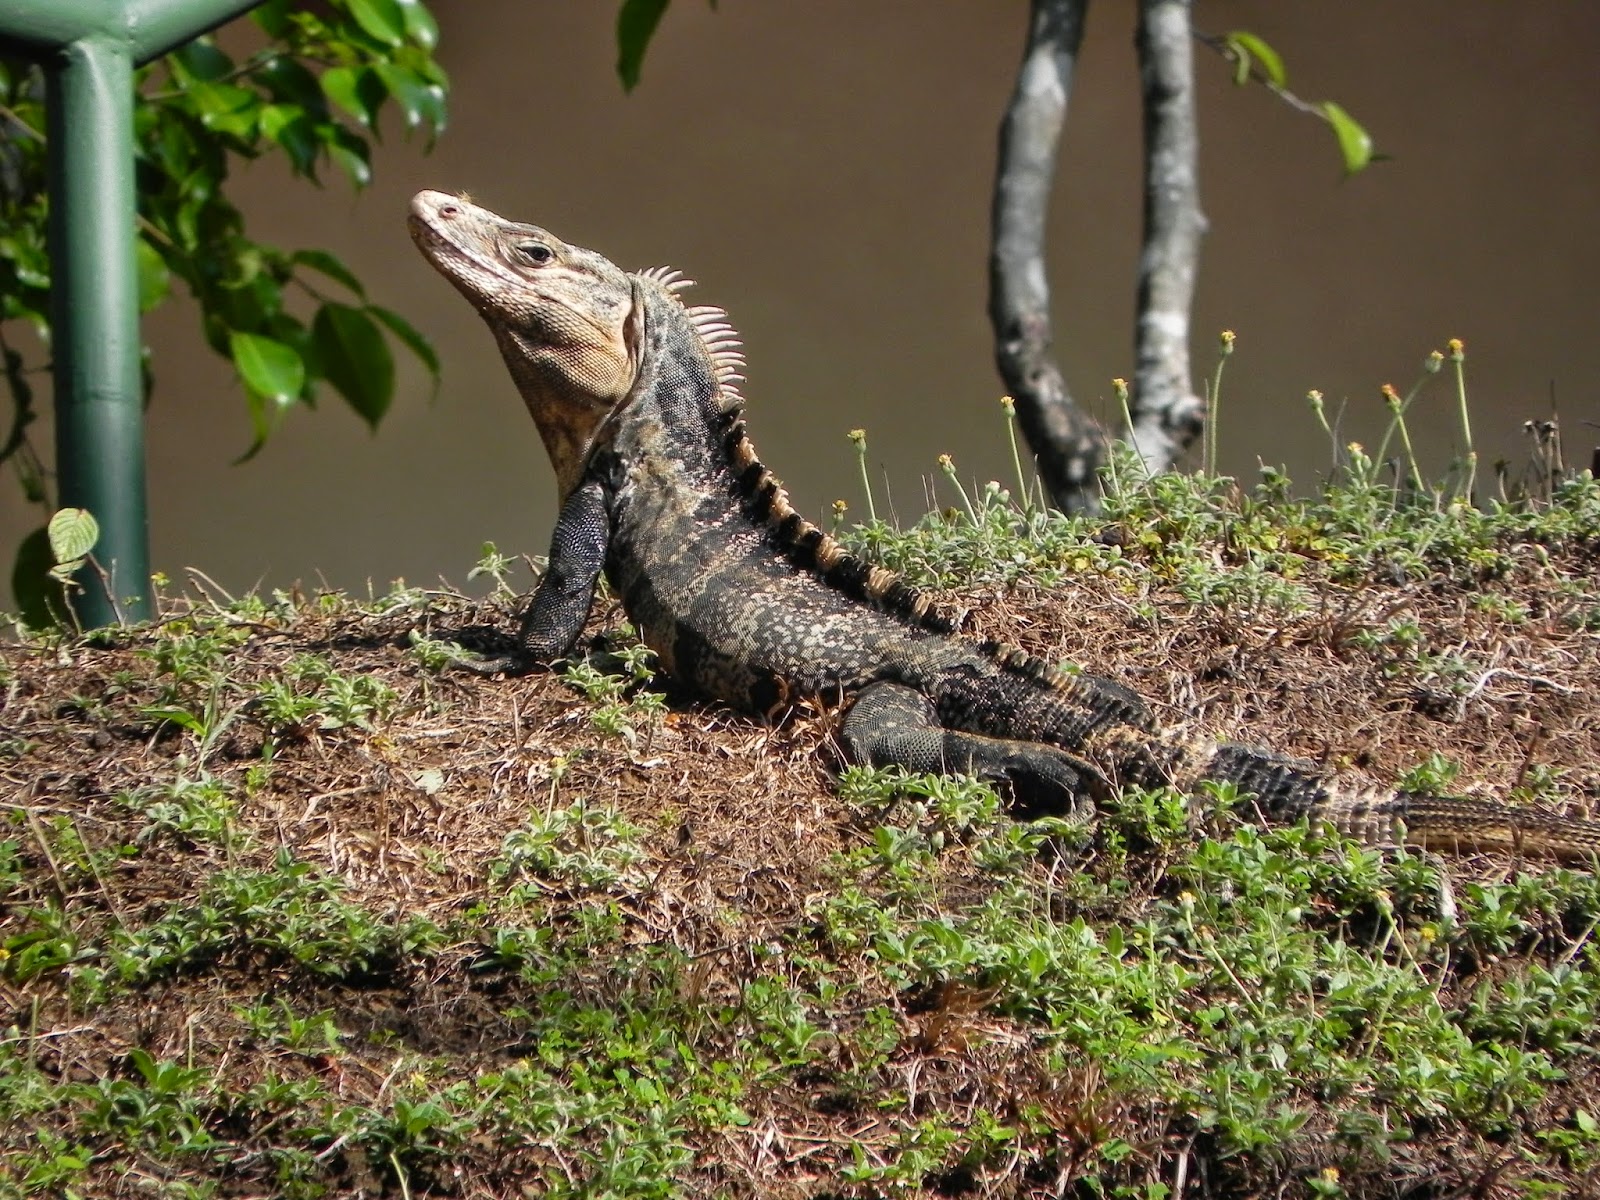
287,916
616,684
311,695
192,810
584,846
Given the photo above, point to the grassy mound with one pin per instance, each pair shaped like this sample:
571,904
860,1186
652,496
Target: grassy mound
290,910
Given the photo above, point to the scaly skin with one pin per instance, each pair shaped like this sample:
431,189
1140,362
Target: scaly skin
636,397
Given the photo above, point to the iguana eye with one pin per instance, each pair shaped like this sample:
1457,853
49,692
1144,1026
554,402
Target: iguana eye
535,252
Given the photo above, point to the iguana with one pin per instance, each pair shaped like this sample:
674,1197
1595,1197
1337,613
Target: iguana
636,396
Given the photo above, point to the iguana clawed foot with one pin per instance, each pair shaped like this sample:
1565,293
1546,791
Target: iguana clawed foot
895,724
492,664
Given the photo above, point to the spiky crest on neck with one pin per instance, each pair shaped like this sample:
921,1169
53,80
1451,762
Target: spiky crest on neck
717,336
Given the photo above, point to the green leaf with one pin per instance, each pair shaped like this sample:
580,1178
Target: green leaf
273,17
418,99
154,278
38,597
73,533
357,90
1247,46
292,128
352,153
200,60
264,418
187,720
1355,144
24,248
225,107
327,264
421,28
410,339
293,332
636,25
289,82
355,358
380,18
63,572
268,367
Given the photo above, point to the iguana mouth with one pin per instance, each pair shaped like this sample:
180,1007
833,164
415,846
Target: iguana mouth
433,219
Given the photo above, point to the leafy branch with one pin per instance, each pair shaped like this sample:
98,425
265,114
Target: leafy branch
314,94
1254,61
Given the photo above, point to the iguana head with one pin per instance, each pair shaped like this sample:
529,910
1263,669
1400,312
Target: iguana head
568,321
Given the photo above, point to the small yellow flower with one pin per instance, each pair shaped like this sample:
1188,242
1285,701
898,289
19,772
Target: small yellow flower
1391,397
1228,337
1330,1174
1433,362
858,436
1186,899
840,508
1007,403
947,464
1120,387
1458,349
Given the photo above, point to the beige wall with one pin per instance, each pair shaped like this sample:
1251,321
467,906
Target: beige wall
823,169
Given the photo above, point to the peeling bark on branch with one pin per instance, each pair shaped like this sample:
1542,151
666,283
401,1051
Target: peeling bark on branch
1167,415
1068,444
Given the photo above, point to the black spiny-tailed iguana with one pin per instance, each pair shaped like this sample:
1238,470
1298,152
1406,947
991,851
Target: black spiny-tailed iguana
636,396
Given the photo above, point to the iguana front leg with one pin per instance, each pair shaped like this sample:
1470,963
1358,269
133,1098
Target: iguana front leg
560,605
892,724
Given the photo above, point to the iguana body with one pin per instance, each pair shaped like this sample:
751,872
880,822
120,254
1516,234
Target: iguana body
637,399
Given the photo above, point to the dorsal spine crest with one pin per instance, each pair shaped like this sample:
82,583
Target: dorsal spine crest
1018,660
763,499
717,336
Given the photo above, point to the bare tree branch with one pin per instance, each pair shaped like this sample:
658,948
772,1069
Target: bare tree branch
1068,444
1167,415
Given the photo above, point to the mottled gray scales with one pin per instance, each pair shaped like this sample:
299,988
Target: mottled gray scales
637,400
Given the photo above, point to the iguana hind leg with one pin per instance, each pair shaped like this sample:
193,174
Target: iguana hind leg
891,724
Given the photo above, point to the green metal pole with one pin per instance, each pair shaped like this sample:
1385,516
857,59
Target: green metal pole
157,26
95,317
53,24
148,28
88,49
